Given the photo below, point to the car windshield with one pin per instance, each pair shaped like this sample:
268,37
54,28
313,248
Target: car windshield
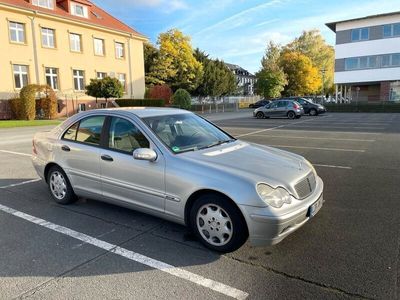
186,132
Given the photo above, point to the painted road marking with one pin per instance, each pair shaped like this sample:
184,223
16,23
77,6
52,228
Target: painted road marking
313,138
134,256
16,153
20,183
332,166
317,148
272,128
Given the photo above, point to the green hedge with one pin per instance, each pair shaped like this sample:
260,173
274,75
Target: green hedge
141,102
381,107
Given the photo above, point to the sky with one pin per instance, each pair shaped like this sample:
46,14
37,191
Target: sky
237,31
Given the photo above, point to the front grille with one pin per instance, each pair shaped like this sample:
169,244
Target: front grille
306,186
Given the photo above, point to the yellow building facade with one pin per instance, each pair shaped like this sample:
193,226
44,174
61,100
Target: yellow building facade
65,44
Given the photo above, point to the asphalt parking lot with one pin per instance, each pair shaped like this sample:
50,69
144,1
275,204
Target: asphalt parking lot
93,250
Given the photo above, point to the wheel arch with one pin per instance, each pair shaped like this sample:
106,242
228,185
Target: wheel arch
193,197
48,167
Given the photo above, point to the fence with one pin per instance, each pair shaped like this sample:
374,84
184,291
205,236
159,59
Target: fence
379,107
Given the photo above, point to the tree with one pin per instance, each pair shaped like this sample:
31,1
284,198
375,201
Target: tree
105,88
175,64
95,89
151,54
182,99
303,77
312,44
271,79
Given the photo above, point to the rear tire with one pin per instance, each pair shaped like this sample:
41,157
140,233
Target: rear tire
291,115
59,186
313,112
260,115
217,223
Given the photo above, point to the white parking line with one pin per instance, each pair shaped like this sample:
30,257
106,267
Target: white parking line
317,148
20,183
16,153
313,138
200,280
332,166
272,128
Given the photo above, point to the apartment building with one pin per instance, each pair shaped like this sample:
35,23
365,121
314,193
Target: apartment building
65,43
244,79
367,53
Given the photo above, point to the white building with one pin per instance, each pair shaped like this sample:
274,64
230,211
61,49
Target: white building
367,53
244,79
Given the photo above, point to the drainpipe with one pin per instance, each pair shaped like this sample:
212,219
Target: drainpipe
130,68
35,54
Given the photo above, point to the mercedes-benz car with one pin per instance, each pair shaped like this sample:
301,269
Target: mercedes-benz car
178,166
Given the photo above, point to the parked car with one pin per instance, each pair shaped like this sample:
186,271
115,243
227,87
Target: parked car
280,108
259,103
309,107
178,166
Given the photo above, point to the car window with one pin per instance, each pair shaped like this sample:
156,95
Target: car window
273,105
90,130
125,136
70,134
282,103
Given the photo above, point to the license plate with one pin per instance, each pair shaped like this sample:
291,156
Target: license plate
315,207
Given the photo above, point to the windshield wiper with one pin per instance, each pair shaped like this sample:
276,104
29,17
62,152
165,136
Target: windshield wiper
217,143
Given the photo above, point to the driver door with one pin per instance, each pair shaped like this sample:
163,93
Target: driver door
126,179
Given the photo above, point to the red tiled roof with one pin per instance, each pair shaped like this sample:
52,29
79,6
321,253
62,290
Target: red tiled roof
97,16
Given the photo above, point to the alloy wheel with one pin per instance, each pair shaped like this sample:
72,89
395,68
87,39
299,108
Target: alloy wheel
58,185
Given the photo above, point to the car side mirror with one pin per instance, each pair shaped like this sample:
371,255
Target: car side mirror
145,154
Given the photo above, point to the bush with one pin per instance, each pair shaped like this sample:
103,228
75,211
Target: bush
182,99
15,107
49,102
28,103
160,92
141,102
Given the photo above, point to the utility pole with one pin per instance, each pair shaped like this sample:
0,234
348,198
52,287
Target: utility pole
323,71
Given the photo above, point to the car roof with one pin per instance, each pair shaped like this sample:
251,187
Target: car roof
143,112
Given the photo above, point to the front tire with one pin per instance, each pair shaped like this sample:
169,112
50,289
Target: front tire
313,112
260,115
218,223
59,186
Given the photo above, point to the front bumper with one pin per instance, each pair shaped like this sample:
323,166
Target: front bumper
266,229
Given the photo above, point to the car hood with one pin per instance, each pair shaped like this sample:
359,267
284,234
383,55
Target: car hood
254,162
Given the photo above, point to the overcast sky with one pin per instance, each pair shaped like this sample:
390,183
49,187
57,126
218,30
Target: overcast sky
237,31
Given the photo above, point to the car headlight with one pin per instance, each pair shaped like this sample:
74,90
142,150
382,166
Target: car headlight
273,197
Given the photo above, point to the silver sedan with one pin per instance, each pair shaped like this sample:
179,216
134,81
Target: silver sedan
178,166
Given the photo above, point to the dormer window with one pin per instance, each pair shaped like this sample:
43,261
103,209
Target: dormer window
79,10
44,3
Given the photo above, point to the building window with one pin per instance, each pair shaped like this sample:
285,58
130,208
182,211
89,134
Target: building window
359,34
76,42
391,60
17,32
391,30
99,47
122,79
79,10
52,78
101,75
48,38
20,76
79,80
44,3
119,50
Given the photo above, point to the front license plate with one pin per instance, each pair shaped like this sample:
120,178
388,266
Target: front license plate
315,207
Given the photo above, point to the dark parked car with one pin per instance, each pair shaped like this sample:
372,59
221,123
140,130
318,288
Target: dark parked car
309,107
259,103
280,108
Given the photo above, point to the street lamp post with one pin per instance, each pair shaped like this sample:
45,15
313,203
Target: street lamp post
323,71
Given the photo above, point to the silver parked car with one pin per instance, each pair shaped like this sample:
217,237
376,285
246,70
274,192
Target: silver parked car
176,165
280,108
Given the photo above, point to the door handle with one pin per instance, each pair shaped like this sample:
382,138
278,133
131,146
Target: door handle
106,157
65,148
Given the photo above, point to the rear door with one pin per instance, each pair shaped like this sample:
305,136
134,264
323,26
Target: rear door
79,155
272,109
137,182
281,110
